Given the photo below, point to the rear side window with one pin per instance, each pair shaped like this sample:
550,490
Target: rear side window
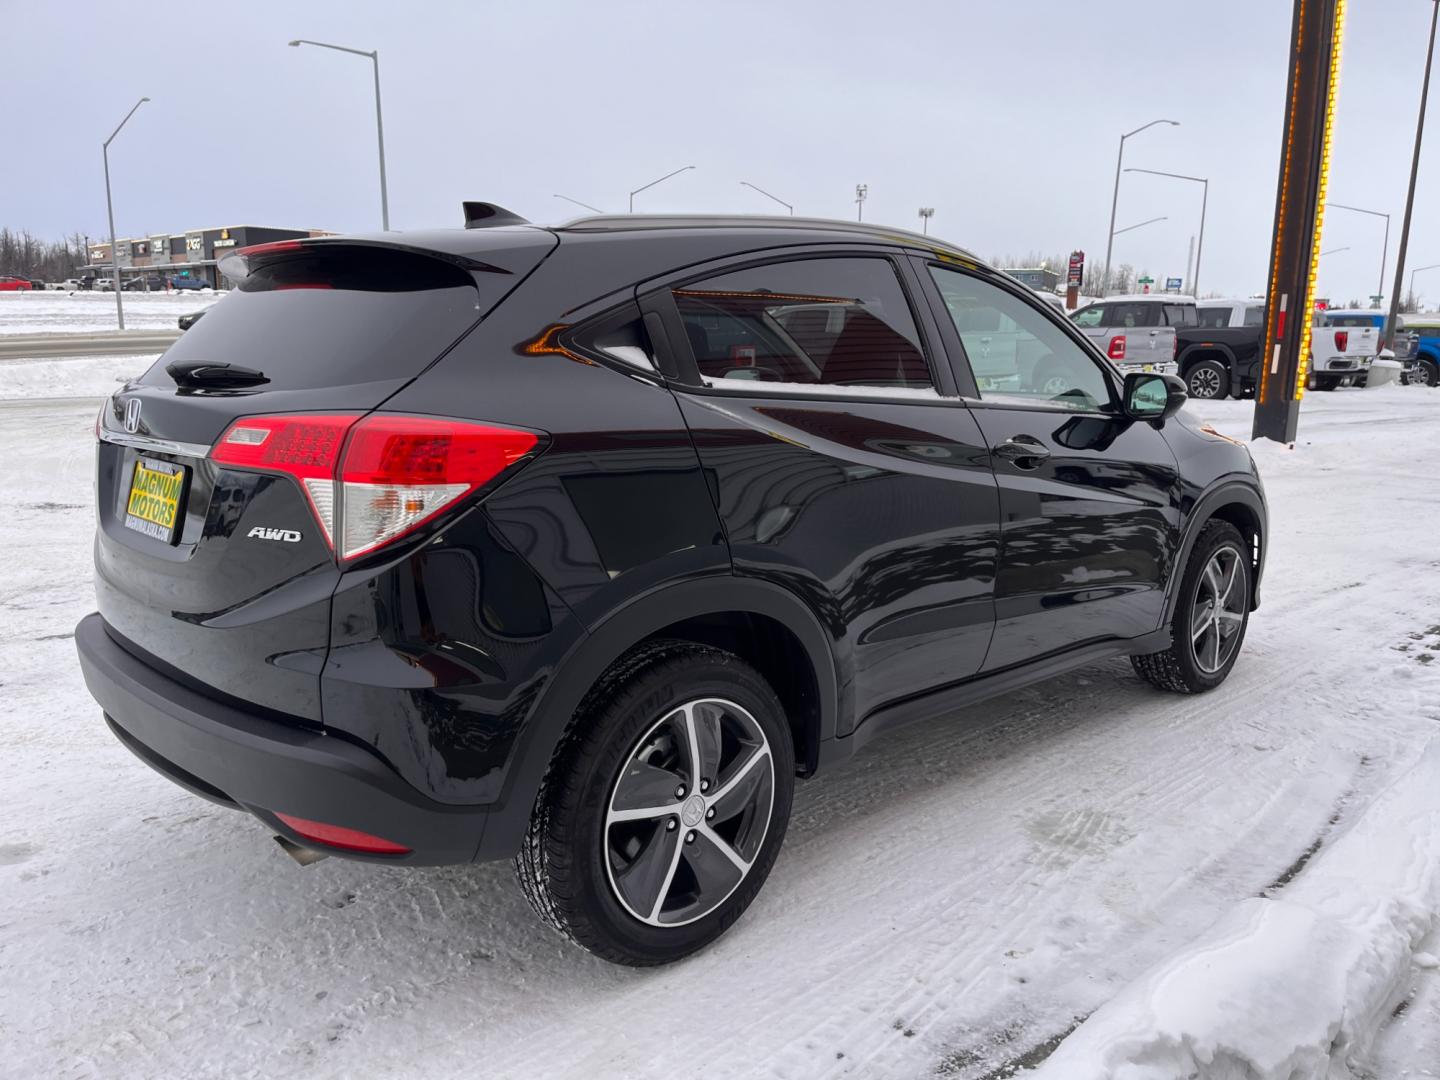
1179,315
337,315
824,322
1131,316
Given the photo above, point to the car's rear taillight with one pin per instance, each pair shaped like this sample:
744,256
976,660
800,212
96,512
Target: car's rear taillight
387,474
1117,347
400,471
1342,340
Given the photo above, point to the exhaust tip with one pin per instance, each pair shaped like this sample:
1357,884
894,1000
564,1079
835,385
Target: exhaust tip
302,855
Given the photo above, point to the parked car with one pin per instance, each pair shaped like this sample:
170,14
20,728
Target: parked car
186,321
188,284
1137,333
103,284
146,283
1220,356
15,284
584,544
1424,332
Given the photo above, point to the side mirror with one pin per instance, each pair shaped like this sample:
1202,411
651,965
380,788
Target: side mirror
1153,397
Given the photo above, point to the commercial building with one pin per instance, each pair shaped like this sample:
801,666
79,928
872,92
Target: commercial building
1040,278
192,255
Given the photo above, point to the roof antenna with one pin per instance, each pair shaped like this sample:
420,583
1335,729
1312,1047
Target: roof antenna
484,215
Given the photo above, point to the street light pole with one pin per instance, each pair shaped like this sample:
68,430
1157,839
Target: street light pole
1204,200
1410,196
1384,249
652,183
1141,225
1115,198
110,210
1432,266
926,213
577,202
762,191
374,57
861,191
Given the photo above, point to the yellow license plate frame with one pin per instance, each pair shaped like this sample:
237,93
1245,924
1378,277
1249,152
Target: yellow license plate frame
152,505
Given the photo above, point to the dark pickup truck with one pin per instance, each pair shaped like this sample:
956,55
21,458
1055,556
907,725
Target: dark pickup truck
1220,357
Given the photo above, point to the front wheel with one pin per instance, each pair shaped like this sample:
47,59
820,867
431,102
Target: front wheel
1424,373
664,809
1211,614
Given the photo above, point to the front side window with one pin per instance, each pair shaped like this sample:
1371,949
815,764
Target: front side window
1255,315
1214,318
1094,315
1015,352
825,322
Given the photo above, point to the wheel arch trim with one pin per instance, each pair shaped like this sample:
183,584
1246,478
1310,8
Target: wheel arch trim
611,639
1223,493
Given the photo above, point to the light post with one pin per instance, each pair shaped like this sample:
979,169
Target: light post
1417,270
1115,198
379,122
1410,195
762,191
926,213
577,202
1334,251
110,210
861,192
1140,225
1204,201
652,183
1384,250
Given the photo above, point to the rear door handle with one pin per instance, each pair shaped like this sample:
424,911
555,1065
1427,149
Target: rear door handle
1023,451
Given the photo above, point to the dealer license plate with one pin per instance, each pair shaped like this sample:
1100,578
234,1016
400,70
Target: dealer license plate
153,507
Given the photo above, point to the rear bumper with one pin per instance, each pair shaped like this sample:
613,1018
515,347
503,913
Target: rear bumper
260,765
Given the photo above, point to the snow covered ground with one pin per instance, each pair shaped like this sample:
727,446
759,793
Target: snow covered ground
951,903
38,312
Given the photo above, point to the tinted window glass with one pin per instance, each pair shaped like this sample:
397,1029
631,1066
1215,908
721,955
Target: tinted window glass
1018,353
1131,316
1090,316
1352,320
1255,315
837,322
1214,318
1179,315
337,316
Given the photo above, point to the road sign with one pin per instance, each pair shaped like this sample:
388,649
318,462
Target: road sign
1076,272
1172,284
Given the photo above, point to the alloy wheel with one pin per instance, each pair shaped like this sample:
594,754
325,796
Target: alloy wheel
1204,383
689,812
1218,611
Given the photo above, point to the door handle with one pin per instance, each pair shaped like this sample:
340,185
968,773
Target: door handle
1023,451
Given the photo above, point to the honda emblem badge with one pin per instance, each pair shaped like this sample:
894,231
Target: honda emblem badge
132,415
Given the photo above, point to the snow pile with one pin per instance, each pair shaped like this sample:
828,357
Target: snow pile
78,312
1286,988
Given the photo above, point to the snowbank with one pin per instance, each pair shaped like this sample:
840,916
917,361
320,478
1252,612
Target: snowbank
1291,987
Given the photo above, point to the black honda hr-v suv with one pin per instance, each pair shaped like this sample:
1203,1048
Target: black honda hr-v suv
578,545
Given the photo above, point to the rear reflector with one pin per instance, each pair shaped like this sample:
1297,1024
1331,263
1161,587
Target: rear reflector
394,472
336,836
1117,347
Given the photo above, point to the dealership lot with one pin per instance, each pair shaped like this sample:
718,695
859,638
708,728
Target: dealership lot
949,900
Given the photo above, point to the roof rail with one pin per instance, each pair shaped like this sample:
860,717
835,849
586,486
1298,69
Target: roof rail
484,215
617,222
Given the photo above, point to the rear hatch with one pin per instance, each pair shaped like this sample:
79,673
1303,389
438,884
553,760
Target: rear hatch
219,574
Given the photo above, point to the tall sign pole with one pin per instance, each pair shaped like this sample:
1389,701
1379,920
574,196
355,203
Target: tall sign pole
1315,37
1410,198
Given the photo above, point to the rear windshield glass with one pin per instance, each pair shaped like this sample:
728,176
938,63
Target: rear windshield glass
1352,320
338,315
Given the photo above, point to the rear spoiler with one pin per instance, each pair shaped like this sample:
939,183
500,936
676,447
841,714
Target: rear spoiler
238,263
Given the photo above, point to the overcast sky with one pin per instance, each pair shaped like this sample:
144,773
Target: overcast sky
1003,116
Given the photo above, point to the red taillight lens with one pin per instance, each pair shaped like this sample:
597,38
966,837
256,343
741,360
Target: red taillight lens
1117,347
337,836
400,471
306,447
391,473
1342,340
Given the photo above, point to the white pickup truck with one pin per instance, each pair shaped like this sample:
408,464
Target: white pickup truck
1343,344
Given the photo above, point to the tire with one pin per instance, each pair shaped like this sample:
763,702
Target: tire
1326,382
1200,661
1425,374
1208,380
592,877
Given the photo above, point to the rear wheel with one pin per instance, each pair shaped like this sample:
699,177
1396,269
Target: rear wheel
662,813
1208,379
1211,614
1425,373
